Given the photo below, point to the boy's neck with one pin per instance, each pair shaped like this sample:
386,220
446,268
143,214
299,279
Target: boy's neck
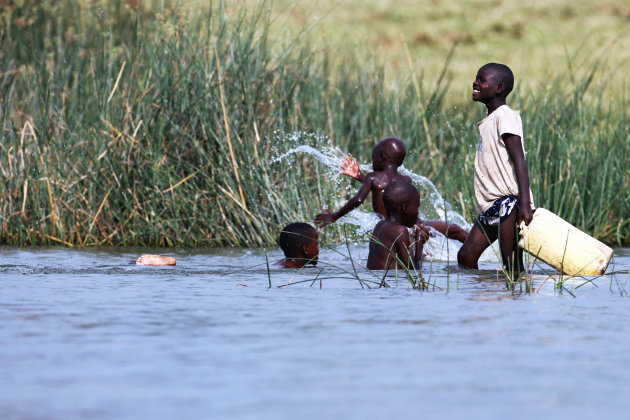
393,218
390,168
494,104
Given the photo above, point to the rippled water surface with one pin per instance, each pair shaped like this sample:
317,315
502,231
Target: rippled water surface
88,334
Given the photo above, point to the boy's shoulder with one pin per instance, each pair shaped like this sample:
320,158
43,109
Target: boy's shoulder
390,229
503,119
400,177
504,111
384,175
373,175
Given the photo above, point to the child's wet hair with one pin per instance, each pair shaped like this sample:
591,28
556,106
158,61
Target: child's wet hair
397,193
506,75
295,235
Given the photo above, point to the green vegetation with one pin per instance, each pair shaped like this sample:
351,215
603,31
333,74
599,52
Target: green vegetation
159,126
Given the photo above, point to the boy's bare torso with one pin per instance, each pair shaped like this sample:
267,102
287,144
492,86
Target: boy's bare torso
378,180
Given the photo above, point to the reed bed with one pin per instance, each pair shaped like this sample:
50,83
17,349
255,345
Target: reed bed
124,126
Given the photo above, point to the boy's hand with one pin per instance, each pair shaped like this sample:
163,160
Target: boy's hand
325,218
421,234
525,214
350,167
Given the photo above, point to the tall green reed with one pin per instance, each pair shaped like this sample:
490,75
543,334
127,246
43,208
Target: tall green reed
123,126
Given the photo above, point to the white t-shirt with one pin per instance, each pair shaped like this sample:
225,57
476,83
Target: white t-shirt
495,176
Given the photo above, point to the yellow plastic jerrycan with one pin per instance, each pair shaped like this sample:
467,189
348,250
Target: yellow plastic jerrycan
563,246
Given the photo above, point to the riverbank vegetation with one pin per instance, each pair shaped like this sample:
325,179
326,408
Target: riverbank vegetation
128,125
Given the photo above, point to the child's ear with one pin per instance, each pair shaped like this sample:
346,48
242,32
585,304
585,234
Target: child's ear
500,88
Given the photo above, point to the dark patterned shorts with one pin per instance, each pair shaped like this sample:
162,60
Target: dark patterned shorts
499,211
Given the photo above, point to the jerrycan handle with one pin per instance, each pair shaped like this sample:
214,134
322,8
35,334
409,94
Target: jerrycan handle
523,229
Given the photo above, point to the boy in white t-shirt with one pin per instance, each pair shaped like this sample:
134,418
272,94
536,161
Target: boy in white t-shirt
502,193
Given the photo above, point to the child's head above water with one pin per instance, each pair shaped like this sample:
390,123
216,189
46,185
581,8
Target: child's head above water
493,80
402,201
298,241
389,151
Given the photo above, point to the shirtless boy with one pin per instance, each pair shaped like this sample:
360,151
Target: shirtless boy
298,241
391,237
502,192
387,156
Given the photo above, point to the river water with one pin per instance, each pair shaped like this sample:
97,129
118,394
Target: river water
88,334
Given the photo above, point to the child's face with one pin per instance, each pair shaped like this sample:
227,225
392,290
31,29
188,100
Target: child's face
411,210
486,85
311,250
378,159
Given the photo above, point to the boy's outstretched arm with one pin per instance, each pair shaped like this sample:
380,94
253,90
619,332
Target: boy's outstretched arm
450,230
514,147
353,203
350,167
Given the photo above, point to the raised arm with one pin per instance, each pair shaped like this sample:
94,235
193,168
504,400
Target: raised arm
350,167
514,147
353,203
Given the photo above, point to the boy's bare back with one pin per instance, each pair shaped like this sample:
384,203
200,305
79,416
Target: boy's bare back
387,156
389,239
391,244
376,182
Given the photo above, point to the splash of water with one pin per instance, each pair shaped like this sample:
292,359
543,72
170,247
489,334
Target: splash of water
328,155
434,206
436,202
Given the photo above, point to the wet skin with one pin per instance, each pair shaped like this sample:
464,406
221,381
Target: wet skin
350,167
392,235
385,157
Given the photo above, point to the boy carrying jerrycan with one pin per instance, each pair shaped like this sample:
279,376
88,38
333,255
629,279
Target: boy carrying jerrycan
504,199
